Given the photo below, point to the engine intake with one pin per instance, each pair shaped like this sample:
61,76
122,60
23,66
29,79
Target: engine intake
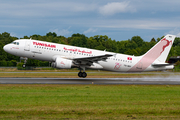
62,63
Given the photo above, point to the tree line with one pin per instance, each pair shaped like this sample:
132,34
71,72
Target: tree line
135,46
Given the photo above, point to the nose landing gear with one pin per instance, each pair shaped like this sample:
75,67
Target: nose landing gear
25,60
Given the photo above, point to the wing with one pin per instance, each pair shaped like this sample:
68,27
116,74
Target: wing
90,60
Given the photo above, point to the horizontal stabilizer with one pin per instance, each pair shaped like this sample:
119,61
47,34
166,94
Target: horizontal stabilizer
161,64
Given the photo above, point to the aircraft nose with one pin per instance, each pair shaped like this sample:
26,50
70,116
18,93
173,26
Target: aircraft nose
5,48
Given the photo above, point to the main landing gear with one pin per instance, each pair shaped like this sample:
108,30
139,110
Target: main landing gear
82,74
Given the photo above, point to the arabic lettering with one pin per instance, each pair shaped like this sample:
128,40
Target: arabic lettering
78,50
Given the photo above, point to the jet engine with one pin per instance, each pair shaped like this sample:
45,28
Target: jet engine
62,63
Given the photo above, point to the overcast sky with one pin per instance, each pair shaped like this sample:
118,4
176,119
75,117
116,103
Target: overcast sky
118,19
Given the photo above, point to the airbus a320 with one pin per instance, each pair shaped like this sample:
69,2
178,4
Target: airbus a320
66,56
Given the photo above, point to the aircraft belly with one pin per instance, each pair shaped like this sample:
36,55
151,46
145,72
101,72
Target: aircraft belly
151,68
114,66
43,56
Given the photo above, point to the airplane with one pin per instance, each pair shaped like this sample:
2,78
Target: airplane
65,56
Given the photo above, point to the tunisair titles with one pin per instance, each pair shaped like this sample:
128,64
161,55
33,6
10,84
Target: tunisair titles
44,44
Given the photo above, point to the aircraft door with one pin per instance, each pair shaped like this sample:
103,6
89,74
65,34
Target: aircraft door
139,65
27,45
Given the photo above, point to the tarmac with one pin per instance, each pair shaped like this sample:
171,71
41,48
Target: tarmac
101,81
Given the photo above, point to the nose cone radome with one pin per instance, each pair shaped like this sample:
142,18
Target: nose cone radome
5,48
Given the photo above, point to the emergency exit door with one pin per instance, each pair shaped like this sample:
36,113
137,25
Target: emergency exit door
27,45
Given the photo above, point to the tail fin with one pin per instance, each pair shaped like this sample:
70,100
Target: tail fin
161,50
157,54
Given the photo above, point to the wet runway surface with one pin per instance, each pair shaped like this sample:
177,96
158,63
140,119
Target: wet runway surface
125,81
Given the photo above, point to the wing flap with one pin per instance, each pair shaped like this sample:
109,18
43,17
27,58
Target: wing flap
91,59
94,58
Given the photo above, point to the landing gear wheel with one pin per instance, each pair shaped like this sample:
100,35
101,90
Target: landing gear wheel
84,74
23,65
80,74
25,61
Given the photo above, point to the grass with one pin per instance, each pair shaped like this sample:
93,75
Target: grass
68,102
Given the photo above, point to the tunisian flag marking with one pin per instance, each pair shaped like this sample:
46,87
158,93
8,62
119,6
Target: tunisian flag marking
129,58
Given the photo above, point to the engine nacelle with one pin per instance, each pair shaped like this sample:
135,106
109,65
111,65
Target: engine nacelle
62,63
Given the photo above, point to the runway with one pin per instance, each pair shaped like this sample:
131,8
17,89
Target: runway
101,81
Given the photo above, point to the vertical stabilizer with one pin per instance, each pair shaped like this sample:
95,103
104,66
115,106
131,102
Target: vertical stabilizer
158,53
161,50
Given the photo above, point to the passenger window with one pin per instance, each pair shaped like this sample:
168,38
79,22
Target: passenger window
17,43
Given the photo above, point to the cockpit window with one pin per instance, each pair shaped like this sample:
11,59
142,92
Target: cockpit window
16,43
